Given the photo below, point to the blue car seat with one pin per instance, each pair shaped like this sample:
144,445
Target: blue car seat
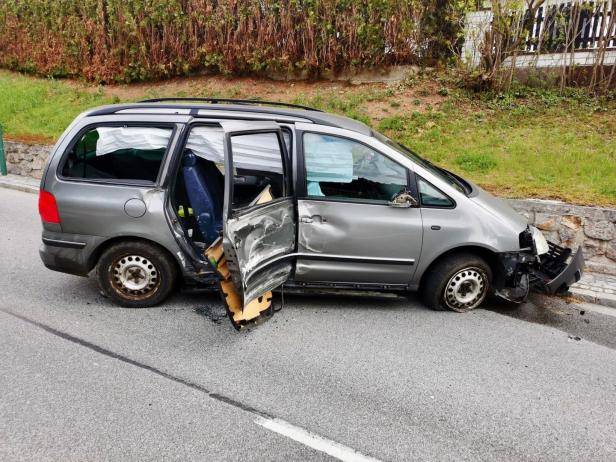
205,190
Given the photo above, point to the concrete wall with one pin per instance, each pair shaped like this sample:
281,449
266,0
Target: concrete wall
593,228
551,60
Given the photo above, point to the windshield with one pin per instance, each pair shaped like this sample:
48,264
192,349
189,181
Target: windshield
454,180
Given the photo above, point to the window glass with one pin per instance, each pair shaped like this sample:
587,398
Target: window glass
341,168
118,153
257,161
258,165
207,142
457,182
432,197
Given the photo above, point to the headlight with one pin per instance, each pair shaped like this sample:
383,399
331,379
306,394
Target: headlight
541,244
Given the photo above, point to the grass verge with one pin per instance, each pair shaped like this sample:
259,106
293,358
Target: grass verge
526,143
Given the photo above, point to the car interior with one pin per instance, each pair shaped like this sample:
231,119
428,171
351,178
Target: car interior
198,195
124,163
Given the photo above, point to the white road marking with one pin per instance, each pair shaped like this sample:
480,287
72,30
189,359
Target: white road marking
314,441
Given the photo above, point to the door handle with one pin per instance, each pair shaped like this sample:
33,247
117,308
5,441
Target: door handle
313,219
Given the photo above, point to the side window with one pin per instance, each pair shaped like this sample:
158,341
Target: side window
258,164
207,141
345,169
432,197
257,161
118,153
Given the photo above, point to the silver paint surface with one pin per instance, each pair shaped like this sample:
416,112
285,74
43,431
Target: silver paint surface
260,236
357,230
94,212
135,208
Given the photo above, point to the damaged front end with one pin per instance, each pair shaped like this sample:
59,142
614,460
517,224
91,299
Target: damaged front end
539,265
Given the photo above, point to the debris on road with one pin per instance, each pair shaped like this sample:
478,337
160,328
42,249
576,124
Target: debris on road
241,316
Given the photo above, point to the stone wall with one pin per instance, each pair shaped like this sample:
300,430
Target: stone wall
26,159
572,226
592,228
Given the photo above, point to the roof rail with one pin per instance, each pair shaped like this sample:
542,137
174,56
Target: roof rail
232,101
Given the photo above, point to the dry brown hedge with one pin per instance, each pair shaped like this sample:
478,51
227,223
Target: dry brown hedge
130,40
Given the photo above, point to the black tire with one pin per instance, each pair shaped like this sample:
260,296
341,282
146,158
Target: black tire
441,291
136,274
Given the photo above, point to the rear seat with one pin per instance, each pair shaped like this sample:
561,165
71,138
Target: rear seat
205,190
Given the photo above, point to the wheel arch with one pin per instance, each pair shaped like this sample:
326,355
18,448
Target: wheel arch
489,255
103,246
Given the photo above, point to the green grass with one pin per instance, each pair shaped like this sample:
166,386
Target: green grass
40,109
525,143
564,150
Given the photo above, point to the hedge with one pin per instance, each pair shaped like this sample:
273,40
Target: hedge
131,40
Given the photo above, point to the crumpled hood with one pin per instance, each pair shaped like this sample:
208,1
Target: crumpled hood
500,209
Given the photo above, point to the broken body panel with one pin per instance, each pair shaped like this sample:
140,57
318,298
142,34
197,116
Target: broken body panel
552,271
258,239
258,245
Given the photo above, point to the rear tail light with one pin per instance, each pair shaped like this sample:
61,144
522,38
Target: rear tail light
48,209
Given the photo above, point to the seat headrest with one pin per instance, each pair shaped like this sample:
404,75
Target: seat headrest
189,160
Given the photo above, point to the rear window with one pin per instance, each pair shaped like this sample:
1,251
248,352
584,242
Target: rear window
118,153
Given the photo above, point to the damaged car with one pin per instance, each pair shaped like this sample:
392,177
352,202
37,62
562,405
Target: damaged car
246,197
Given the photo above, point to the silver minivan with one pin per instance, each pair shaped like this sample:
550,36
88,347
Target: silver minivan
138,192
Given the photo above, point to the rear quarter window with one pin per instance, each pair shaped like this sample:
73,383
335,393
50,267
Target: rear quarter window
118,153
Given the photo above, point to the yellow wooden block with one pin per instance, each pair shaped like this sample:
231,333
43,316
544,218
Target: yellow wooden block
243,314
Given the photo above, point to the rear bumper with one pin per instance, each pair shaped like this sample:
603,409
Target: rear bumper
65,259
558,271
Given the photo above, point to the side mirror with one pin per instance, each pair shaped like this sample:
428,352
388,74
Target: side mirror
403,200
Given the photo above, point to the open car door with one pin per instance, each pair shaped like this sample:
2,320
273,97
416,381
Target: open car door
254,255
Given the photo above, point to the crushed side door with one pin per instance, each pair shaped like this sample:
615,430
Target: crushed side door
254,254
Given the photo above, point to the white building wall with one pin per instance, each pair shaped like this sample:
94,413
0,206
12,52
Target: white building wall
477,23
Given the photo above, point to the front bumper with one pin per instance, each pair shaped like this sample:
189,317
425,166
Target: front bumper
557,271
553,272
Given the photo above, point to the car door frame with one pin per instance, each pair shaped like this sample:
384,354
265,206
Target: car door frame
301,194
198,268
279,267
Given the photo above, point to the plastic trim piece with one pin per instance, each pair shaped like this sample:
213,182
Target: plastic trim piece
65,244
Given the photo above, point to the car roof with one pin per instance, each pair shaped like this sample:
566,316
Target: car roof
234,108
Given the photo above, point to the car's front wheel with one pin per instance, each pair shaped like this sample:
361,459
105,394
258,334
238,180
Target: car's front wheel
459,282
136,274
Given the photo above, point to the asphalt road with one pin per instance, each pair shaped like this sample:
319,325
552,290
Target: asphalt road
81,379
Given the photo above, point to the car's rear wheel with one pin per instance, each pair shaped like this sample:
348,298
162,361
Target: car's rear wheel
136,274
459,283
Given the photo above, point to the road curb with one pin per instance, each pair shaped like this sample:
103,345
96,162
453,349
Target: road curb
592,296
18,183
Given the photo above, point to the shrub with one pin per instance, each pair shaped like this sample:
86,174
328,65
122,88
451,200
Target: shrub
130,40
